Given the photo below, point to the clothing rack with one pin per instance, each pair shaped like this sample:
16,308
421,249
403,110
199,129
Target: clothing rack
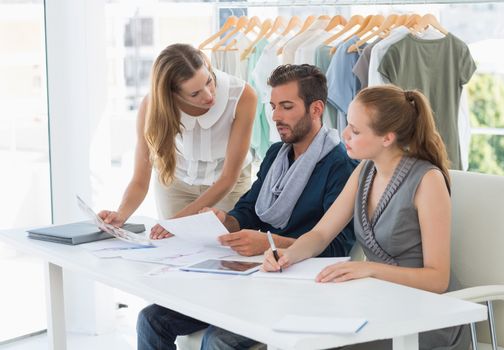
299,3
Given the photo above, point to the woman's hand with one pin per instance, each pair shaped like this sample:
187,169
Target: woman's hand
270,264
158,232
345,271
112,217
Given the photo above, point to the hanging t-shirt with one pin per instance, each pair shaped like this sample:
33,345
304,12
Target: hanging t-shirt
289,50
361,68
305,53
343,84
265,65
260,130
438,68
227,61
379,50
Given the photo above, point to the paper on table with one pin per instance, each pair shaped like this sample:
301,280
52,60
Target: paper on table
305,270
201,228
315,324
117,232
169,248
111,248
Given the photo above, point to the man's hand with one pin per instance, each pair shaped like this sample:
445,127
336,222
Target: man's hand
158,232
221,214
112,217
246,242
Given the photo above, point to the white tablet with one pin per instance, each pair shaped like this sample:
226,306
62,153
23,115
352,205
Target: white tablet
232,267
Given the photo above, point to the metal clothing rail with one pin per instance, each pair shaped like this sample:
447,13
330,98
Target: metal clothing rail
298,3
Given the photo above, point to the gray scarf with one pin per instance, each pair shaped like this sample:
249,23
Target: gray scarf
274,205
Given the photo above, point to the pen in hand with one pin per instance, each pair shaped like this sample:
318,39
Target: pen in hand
273,247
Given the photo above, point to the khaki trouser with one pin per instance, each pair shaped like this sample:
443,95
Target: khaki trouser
172,199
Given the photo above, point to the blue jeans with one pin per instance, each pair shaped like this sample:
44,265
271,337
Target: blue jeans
219,339
158,327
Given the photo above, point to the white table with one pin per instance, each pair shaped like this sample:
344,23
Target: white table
249,306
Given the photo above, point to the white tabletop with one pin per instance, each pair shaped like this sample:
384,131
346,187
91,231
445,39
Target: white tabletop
249,306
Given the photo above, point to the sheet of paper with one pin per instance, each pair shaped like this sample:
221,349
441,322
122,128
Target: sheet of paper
111,248
205,254
305,270
315,324
201,228
117,232
166,249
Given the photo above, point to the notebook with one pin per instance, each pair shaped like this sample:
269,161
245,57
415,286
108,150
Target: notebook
316,324
77,233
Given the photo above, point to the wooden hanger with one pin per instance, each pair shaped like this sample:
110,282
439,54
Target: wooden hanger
294,22
250,26
412,20
370,22
278,24
401,20
265,28
386,24
306,24
230,22
337,20
429,20
242,22
354,21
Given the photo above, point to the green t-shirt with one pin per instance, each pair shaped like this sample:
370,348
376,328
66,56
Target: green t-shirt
438,68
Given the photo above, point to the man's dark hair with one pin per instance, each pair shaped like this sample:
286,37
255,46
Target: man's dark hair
312,83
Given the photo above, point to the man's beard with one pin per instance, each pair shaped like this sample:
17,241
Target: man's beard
299,131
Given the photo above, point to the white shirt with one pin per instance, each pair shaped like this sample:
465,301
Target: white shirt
204,139
379,51
305,52
289,50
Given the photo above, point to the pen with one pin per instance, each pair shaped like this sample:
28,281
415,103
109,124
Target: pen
273,247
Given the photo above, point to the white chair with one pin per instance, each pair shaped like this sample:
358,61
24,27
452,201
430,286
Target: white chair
478,247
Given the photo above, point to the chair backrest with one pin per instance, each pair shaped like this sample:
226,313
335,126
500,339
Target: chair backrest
478,236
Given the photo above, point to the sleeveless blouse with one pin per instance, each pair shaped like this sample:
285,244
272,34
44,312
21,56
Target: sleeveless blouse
204,139
392,236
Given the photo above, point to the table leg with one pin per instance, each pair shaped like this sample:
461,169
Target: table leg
55,307
407,342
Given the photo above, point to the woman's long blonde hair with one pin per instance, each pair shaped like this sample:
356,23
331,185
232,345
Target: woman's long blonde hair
408,114
175,64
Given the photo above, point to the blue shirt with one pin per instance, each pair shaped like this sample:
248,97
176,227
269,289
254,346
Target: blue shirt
342,83
325,184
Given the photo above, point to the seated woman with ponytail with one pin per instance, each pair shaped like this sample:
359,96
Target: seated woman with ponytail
399,197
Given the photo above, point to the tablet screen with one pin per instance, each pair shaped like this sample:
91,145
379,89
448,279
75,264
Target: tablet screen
224,266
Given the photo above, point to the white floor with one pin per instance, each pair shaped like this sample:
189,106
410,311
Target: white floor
123,338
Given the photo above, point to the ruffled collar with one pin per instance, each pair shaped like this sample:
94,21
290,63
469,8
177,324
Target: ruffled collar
214,113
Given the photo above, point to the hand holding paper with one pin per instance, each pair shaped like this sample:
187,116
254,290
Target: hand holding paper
201,228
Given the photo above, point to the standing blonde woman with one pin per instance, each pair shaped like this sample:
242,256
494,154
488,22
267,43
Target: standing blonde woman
194,128
399,198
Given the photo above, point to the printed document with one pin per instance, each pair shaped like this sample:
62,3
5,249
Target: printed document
114,231
201,228
304,270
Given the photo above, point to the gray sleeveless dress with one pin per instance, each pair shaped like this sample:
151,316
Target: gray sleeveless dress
392,236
